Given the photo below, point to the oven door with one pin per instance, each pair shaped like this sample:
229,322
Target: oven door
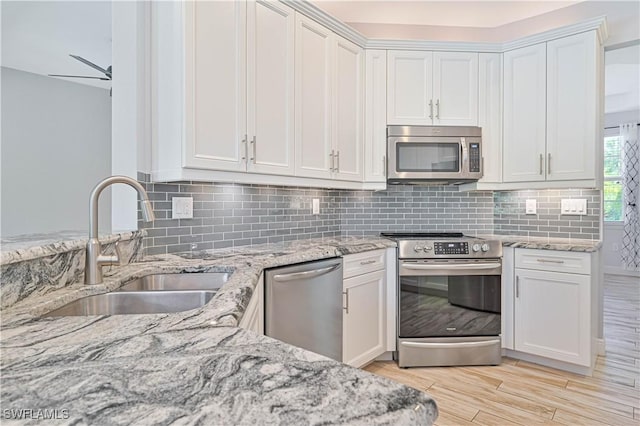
426,158
449,298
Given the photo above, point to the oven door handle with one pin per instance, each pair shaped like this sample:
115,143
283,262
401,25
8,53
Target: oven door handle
450,345
459,266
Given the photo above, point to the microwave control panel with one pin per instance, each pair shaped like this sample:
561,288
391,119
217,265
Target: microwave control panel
451,248
474,157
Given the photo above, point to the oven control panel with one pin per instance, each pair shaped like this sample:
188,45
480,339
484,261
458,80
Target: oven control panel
451,247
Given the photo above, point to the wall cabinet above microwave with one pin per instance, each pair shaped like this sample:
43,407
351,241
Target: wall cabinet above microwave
432,88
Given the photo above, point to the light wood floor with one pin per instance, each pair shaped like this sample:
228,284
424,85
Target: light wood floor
523,393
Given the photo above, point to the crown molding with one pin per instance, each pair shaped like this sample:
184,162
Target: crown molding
448,46
599,24
310,10
322,17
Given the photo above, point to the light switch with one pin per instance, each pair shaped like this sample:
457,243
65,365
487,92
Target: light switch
574,206
316,206
182,208
531,207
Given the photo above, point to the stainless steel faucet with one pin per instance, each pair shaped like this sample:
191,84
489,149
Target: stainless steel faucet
95,260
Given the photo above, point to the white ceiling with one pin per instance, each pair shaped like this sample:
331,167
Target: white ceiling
454,13
38,36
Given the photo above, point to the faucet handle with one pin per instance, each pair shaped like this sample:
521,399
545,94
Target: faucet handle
112,259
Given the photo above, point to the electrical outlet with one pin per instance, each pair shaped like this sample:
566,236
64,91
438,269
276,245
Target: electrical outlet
316,206
182,208
531,207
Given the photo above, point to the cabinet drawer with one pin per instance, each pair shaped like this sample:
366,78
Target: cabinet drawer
554,261
361,263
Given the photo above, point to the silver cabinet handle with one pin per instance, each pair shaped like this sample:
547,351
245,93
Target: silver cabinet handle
305,275
430,109
337,157
346,308
549,163
517,286
244,148
331,168
541,163
368,262
550,261
438,109
253,149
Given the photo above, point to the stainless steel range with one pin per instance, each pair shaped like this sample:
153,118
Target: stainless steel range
449,288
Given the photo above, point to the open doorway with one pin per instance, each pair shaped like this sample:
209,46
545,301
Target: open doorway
622,106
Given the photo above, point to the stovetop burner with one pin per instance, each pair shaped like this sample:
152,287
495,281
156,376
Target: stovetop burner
422,235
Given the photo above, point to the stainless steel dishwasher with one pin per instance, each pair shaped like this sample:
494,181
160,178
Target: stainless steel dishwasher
303,306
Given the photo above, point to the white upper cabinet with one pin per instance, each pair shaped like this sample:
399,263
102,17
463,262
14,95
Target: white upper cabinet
432,88
409,87
314,65
375,139
348,110
455,88
572,110
490,114
551,111
329,116
270,83
215,85
524,114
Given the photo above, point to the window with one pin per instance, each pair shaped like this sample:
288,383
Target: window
613,202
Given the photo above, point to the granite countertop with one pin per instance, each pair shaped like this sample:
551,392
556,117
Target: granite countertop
194,366
543,243
27,247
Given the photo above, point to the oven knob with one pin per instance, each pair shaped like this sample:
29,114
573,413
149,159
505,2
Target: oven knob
485,247
417,249
476,247
428,248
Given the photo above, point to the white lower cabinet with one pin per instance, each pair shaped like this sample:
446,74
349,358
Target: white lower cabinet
253,318
364,320
552,310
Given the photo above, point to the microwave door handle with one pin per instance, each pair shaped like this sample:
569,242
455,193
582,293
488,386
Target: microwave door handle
463,152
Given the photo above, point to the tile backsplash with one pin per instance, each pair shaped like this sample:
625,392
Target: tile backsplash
228,215
509,214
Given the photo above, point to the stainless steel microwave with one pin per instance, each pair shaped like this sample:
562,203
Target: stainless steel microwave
434,154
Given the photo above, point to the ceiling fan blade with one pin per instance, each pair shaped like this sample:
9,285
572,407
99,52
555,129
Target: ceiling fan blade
91,64
78,76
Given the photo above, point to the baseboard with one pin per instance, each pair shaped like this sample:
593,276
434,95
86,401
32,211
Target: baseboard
613,270
387,356
559,365
600,347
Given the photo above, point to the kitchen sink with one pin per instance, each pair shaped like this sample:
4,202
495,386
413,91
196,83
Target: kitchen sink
186,281
135,302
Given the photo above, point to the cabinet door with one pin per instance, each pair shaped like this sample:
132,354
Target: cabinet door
524,114
270,85
313,63
215,85
572,119
375,116
409,87
455,88
348,111
552,315
363,319
490,114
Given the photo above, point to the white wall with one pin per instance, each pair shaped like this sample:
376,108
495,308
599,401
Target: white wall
56,145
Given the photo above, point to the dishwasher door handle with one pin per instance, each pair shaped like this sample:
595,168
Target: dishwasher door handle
306,274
